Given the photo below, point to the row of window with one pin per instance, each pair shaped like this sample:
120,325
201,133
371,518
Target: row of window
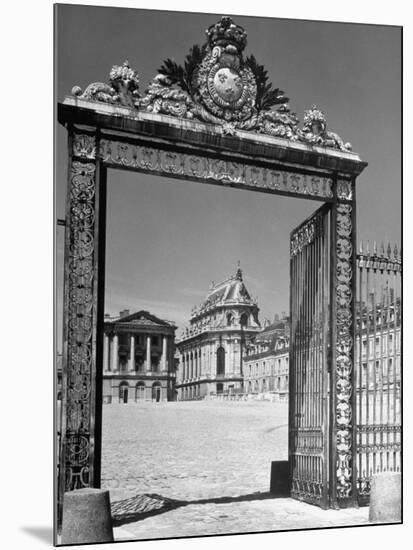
267,367
139,365
126,392
189,367
279,383
382,371
140,339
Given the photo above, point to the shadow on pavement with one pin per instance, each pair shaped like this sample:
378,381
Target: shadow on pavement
140,507
44,534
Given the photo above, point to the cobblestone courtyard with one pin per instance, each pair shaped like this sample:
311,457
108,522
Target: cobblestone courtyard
202,467
192,449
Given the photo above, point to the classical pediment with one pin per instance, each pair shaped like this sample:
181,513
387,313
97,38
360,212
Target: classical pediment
143,318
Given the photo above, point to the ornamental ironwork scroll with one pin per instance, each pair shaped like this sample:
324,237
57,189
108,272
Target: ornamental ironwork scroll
343,364
213,170
80,316
303,236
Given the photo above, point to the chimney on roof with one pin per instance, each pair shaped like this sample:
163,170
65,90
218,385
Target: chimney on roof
124,313
276,318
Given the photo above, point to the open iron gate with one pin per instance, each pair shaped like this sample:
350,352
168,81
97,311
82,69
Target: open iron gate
309,377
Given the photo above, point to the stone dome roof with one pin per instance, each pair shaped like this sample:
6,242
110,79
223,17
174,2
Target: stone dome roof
232,291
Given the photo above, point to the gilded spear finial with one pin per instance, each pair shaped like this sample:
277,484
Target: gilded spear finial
375,248
382,249
361,247
389,251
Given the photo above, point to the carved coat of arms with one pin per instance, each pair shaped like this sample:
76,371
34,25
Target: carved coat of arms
226,85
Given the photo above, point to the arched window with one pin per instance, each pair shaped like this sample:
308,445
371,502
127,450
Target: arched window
220,361
156,391
140,391
230,319
244,320
123,392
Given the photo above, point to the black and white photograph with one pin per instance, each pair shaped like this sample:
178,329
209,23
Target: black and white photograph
223,357
229,264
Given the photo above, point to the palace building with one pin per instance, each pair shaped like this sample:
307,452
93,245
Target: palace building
212,348
266,361
138,358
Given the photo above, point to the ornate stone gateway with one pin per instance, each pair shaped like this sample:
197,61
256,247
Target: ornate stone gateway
217,120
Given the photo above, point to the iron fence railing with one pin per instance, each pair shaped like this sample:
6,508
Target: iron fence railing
378,364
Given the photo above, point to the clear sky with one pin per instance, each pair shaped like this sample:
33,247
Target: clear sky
167,240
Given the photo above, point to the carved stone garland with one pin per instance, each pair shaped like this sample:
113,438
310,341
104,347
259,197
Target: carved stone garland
80,281
344,351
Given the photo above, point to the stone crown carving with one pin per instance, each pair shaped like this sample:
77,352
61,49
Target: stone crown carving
216,85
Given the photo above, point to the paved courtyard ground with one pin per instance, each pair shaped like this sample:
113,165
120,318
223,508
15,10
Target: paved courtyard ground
201,468
192,449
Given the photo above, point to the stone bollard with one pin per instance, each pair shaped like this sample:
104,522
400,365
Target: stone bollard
86,516
385,497
279,482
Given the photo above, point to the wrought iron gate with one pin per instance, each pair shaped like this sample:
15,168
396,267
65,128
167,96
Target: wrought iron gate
378,366
309,381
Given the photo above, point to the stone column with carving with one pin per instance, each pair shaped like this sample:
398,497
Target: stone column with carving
148,354
83,313
343,434
132,367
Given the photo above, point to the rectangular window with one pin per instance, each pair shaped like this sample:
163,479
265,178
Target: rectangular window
390,343
390,368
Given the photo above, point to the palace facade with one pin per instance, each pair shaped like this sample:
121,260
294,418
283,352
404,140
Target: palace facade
266,361
212,347
138,358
